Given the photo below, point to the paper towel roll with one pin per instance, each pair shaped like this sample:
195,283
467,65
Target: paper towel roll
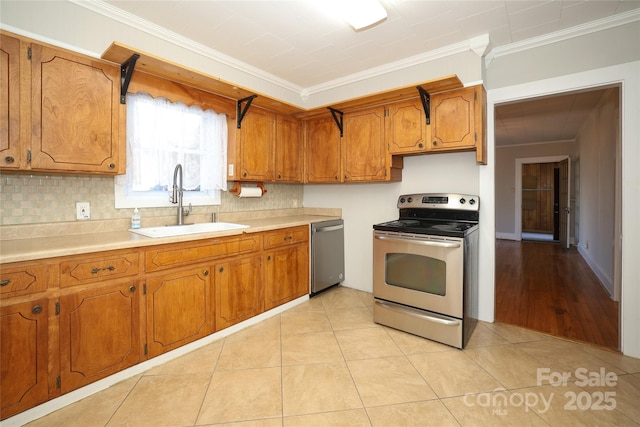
250,192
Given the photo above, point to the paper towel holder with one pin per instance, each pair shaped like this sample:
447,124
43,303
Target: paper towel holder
237,187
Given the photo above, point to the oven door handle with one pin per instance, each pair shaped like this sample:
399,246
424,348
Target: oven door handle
420,242
415,313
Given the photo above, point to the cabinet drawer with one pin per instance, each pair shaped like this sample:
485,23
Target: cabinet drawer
184,254
85,270
24,279
286,236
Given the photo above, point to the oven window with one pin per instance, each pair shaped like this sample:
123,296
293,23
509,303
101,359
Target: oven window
416,272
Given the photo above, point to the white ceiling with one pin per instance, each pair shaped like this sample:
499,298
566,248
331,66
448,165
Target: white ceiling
297,43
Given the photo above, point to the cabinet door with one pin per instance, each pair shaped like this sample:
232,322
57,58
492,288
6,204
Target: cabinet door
24,278
365,155
323,148
286,275
99,333
406,129
239,293
11,98
179,309
24,356
256,150
288,150
75,111
453,119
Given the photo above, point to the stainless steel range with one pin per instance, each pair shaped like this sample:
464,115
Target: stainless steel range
425,267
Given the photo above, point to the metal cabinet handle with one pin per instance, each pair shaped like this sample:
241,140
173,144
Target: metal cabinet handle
5,282
112,165
206,273
9,159
420,242
221,269
132,289
96,270
36,309
435,143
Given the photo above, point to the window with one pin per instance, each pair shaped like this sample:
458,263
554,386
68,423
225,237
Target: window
162,134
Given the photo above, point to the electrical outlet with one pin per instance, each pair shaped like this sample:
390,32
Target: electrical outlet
83,210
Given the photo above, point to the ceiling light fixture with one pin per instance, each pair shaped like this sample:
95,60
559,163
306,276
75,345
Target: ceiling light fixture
363,13
357,13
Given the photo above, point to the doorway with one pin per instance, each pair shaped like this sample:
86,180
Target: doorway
539,211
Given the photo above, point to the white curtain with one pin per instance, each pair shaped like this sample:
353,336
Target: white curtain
161,134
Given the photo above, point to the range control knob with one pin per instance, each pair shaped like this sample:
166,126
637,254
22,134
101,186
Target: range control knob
462,201
410,199
402,200
472,201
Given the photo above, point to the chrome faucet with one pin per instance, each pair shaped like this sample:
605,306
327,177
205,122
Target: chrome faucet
176,196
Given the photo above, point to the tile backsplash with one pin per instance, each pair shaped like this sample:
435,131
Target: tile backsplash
36,199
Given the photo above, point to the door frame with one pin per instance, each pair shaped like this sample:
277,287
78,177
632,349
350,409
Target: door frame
518,185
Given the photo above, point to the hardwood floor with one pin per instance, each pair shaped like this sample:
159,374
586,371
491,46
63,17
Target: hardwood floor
544,287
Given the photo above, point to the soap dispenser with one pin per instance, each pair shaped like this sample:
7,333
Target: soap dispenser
135,219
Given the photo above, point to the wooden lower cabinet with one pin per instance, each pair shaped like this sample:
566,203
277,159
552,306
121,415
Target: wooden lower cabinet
25,356
239,290
179,309
99,333
286,275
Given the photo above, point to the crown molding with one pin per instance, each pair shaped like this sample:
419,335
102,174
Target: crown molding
567,33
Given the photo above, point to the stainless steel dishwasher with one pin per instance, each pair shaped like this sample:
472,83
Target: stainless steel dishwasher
327,254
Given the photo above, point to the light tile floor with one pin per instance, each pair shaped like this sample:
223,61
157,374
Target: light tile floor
326,363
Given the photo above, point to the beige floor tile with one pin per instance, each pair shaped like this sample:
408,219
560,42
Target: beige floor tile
512,367
492,409
626,363
564,405
625,393
303,322
267,422
267,328
250,352
95,410
163,400
366,298
201,360
413,344
366,343
564,356
340,298
250,394
313,304
308,389
453,373
318,347
417,414
483,336
515,334
388,381
352,418
351,318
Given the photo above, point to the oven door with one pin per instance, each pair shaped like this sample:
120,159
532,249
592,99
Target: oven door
425,272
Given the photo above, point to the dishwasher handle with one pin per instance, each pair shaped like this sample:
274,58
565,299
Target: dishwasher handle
329,228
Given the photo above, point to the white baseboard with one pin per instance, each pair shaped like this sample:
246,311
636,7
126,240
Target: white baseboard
605,280
507,236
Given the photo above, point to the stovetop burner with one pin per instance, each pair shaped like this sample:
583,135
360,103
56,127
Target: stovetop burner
449,215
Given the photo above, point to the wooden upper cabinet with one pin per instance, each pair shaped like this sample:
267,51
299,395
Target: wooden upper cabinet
406,127
288,150
365,156
323,151
75,110
255,150
458,121
10,103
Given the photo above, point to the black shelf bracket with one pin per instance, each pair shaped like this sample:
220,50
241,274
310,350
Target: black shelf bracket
338,118
126,71
243,110
426,103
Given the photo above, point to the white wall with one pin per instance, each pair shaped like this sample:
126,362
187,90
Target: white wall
366,204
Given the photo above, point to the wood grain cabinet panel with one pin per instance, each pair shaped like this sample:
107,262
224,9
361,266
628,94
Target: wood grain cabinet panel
323,150
179,309
286,275
288,150
26,278
365,156
177,255
99,333
74,113
25,356
286,236
239,290
89,269
257,136
406,127
11,98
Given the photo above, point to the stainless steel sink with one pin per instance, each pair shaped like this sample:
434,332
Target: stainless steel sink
181,230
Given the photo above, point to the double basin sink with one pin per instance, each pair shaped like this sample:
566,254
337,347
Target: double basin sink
181,230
